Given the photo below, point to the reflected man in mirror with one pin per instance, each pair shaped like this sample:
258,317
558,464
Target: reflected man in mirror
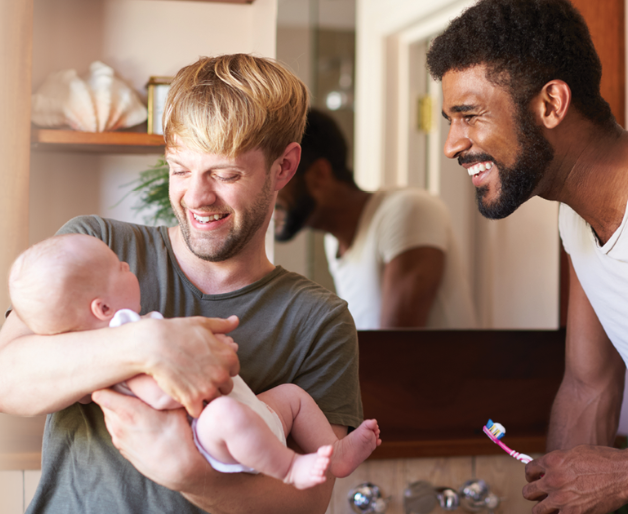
527,118
392,254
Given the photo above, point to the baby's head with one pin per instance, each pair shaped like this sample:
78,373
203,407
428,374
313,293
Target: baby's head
71,282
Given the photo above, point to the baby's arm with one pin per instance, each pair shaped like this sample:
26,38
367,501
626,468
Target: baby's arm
146,389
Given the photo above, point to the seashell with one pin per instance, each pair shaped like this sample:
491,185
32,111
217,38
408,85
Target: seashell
100,102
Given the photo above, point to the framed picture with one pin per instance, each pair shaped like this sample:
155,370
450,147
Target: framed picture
158,88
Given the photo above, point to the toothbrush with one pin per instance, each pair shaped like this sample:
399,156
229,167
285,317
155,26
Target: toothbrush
495,431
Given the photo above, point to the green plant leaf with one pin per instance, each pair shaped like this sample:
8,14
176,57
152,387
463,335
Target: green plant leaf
152,190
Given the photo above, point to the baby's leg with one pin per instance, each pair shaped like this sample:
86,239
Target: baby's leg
232,432
307,424
146,389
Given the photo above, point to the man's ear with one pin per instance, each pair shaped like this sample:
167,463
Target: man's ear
552,103
286,165
101,309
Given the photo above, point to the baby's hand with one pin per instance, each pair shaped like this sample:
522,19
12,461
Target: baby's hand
227,340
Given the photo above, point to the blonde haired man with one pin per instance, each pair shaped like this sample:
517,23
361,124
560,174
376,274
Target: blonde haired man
232,128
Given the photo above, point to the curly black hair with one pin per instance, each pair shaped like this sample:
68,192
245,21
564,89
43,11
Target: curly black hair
525,44
323,138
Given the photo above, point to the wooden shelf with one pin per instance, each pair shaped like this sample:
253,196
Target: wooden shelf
50,140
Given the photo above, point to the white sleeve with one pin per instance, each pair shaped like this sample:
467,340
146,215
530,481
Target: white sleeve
124,316
412,219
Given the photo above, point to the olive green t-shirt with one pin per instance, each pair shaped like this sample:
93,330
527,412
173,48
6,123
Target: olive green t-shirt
291,331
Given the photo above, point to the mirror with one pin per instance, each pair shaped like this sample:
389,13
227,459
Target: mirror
512,265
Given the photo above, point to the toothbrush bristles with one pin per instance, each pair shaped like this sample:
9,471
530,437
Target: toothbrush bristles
497,429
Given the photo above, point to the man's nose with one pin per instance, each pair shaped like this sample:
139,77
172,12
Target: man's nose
200,192
457,142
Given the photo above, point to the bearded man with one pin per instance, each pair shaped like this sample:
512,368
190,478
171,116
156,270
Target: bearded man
232,127
521,91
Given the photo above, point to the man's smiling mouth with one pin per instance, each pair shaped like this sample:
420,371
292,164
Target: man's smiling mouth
479,167
210,217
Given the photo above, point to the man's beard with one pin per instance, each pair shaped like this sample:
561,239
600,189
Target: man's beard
209,248
297,214
519,181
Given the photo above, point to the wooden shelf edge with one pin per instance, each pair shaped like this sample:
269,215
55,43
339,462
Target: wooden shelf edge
72,137
454,448
51,140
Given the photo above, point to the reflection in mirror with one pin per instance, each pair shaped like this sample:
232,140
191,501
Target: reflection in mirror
392,254
511,265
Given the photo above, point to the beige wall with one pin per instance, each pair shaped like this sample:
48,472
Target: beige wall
15,70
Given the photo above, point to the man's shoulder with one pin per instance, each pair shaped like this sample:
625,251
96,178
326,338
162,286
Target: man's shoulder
107,229
410,196
413,208
294,284
572,228
303,300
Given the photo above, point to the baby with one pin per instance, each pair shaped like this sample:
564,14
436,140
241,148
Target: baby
75,282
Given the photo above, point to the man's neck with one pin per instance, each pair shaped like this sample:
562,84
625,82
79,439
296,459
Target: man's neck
590,174
247,267
343,215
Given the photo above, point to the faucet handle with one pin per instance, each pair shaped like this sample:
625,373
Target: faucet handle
475,496
419,498
367,498
447,498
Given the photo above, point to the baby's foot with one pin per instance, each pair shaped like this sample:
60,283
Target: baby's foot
309,470
352,450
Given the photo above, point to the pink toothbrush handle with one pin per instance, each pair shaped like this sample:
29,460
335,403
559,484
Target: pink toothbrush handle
521,457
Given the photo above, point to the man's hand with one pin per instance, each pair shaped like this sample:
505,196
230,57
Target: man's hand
583,480
188,361
158,443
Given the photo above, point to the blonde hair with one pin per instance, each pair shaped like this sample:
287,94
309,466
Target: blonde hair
231,104
51,284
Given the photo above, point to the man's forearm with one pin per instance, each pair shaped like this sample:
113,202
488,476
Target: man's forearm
243,494
43,374
582,416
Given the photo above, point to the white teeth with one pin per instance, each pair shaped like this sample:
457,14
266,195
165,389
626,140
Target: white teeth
207,219
478,168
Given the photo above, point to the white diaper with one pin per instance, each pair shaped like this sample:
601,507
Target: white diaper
242,393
